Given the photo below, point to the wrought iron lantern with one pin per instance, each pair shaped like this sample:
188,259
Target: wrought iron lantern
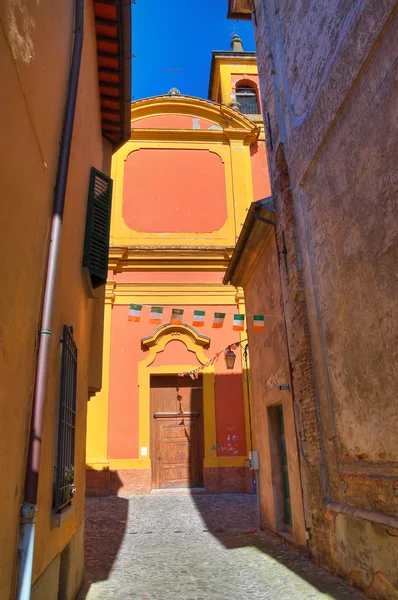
230,358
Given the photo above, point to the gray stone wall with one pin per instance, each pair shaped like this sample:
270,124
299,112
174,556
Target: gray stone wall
328,77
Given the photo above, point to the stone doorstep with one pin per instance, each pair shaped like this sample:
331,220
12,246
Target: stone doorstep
177,491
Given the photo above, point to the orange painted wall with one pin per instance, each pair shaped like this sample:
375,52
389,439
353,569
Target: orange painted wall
260,176
182,191
126,351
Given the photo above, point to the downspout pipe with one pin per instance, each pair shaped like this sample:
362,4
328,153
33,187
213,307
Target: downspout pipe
29,507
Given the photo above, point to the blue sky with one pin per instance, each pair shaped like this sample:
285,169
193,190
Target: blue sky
180,34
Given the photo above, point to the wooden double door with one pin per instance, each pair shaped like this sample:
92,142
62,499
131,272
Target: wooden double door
176,432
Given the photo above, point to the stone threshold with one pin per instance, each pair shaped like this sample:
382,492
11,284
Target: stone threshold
177,491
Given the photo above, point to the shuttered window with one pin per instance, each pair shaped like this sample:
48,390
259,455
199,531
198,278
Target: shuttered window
96,245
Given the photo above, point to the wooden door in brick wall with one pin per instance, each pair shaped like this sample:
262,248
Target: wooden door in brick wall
176,432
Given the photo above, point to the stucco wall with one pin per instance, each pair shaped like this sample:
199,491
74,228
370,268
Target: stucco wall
328,82
126,352
35,46
269,370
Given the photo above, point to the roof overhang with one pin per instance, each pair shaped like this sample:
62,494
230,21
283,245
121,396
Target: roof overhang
240,9
257,229
113,33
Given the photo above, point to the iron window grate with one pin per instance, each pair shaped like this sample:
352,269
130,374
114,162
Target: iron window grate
65,465
247,98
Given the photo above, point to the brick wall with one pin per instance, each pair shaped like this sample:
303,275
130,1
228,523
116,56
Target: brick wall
222,480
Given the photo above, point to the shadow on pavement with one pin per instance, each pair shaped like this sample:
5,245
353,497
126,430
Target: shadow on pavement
232,519
105,528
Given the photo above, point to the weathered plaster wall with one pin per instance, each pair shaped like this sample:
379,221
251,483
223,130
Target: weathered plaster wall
328,80
35,46
269,369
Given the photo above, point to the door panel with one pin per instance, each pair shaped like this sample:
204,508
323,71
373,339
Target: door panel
176,432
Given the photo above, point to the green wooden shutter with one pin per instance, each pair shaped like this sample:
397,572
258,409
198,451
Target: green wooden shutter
96,243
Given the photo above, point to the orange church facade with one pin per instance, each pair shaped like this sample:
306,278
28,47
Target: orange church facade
182,185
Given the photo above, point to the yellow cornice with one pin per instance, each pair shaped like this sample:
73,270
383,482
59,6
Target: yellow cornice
250,61
196,135
122,258
174,294
221,114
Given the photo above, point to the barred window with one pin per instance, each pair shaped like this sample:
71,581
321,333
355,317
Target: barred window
64,484
247,98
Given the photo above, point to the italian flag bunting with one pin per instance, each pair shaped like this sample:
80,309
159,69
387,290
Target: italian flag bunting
156,314
239,322
135,312
258,323
176,316
198,318
218,320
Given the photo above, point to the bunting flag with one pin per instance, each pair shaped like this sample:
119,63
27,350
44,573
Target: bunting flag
135,312
239,322
156,315
258,323
198,318
176,316
218,321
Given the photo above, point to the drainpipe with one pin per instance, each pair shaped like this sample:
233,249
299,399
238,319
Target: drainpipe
259,217
29,506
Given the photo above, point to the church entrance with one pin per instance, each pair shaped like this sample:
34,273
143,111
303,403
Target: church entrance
176,432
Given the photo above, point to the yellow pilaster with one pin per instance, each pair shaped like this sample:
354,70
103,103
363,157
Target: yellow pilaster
97,412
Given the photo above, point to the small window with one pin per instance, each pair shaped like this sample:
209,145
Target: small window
247,98
64,484
96,244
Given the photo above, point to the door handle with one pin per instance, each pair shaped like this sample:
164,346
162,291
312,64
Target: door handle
160,457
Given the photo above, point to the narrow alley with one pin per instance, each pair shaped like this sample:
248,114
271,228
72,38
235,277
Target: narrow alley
199,547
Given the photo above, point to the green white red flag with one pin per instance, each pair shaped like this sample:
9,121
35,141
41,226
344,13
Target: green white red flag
176,316
198,318
239,322
135,312
218,320
156,315
258,323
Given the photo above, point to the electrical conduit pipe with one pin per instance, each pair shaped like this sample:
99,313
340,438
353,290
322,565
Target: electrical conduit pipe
29,507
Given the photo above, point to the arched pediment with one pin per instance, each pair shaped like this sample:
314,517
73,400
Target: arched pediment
220,114
169,331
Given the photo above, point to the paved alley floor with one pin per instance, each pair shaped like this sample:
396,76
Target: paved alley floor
202,547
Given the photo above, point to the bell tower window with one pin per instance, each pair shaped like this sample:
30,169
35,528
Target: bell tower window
247,98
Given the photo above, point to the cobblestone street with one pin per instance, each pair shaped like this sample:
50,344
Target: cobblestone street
193,548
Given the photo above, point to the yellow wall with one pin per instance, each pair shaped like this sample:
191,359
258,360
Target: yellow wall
35,47
231,139
222,78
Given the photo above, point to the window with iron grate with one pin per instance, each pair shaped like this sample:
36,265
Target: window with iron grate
64,480
247,98
96,244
